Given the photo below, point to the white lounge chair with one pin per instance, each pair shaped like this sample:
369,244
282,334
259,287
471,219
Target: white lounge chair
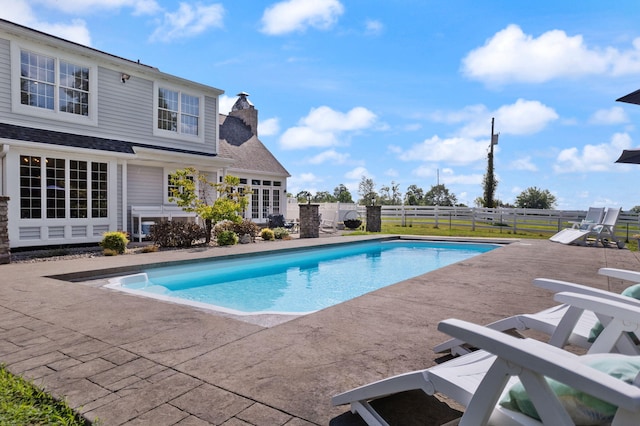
603,232
594,216
478,380
564,324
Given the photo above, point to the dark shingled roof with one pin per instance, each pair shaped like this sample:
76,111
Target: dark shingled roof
10,131
240,144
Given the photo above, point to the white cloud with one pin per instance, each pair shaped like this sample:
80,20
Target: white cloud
357,173
75,7
373,27
21,13
297,15
323,126
303,182
523,164
225,103
452,150
593,158
329,156
188,21
614,115
523,117
513,56
269,127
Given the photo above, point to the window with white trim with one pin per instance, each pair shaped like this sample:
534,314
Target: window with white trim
54,84
46,190
178,112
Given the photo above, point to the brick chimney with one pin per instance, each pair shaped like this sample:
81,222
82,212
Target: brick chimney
244,109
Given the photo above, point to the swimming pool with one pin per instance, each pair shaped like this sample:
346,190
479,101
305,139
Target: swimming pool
296,282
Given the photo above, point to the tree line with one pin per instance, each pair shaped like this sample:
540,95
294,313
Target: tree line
436,195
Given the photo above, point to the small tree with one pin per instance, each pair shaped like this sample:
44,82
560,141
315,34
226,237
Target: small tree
342,194
439,195
414,196
367,191
534,198
211,201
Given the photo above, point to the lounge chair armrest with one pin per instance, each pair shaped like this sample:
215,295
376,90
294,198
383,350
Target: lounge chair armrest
558,286
611,308
623,274
546,360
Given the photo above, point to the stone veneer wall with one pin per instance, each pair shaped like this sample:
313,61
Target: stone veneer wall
309,221
5,252
374,218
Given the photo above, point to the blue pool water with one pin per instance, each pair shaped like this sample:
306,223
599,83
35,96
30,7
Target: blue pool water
297,282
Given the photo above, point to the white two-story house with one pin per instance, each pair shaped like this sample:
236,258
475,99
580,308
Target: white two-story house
88,140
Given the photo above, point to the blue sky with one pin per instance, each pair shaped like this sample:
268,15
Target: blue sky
401,91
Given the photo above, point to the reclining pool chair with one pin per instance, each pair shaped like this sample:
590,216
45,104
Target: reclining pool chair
594,216
603,232
562,323
479,379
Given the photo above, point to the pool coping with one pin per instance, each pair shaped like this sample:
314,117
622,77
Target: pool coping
126,359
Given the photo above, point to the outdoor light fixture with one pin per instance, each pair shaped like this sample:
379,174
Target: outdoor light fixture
125,77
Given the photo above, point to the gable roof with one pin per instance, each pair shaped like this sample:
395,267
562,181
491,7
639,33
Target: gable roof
238,142
29,134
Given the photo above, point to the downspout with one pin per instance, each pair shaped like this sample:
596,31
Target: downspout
3,167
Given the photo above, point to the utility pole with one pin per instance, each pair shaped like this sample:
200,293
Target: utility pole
490,182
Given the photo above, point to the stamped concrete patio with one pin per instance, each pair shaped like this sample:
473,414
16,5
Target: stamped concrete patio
124,359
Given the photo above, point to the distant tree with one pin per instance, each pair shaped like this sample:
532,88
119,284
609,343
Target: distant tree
535,198
635,209
414,196
342,194
324,197
303,196
367,191
396,195
439,195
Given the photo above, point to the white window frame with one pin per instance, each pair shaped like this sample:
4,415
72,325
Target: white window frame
55,114
178,134
165,185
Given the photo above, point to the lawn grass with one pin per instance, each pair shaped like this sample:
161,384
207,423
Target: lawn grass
21,403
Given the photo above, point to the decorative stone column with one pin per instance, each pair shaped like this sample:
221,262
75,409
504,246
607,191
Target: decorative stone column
374,219
309,221
5,252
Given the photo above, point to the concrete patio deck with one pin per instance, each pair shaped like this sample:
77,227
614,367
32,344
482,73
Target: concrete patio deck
124,359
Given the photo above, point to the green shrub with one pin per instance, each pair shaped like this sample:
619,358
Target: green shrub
267,234
115,241
227,238
280,233
110,252
246,227
223,226
176,234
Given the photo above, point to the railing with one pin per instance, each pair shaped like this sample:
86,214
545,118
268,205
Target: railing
507,220
545,222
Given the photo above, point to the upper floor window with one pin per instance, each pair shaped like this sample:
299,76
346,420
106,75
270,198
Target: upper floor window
50,86
178,112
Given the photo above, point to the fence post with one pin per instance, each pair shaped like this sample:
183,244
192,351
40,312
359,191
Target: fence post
473,218
436,213
403,219
515,219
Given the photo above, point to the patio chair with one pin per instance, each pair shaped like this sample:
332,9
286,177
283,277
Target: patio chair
482,380
603,232
594,216
564,324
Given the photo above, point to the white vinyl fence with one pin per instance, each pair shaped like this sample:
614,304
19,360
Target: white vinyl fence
509,220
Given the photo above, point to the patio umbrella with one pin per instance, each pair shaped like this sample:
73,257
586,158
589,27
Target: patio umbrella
631,98
631,156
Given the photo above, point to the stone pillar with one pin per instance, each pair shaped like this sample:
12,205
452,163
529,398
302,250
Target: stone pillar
309,221
5,252
374,219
